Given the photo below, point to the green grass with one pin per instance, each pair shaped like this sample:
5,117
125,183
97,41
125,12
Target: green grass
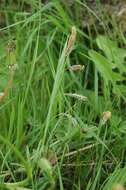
51,136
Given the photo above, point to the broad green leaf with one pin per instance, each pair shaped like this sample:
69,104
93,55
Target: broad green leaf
105,69
102,65
111,50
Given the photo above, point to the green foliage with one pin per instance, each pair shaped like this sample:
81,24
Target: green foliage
52,137
113,58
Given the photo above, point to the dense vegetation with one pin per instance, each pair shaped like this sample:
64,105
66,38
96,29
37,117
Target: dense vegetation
63,95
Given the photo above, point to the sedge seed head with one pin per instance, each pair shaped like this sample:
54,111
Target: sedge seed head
106,116
11,46
71,40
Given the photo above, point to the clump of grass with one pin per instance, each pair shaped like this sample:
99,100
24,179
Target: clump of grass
59,75
55,130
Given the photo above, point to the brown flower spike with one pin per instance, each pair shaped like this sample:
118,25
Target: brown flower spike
71,40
